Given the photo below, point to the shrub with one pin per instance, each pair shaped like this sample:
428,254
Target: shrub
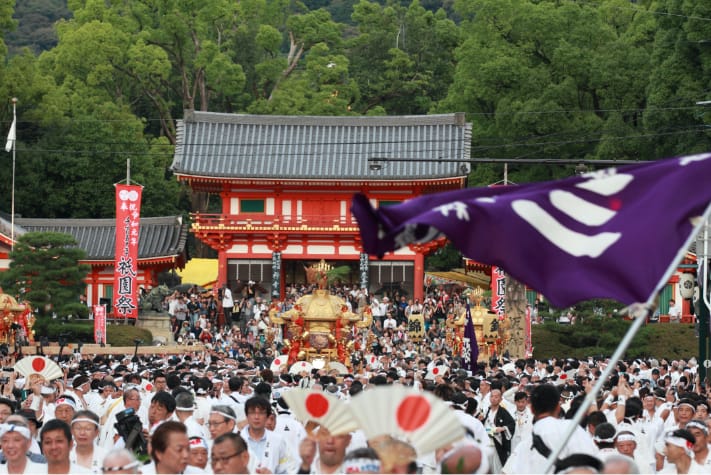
83,332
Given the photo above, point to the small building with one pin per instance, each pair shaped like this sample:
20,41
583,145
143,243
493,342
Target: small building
286,185
161,248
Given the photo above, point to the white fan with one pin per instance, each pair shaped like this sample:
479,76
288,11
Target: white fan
278,362
338,366
420,418
146,385
439,370
41,365
317,406
371,360
300,366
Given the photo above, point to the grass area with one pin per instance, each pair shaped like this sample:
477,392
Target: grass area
600,336
75,332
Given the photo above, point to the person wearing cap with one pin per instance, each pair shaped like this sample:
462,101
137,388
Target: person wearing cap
698,429
679,451
184,409
120,461
85,430
229,455
198,452
269,451
15,439
56,439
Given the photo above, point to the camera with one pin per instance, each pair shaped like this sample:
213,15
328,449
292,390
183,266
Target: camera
129,427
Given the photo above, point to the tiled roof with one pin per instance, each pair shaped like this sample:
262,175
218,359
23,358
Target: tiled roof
158,237
258,146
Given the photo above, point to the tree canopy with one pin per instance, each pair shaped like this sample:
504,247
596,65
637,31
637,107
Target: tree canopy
610,79
45,271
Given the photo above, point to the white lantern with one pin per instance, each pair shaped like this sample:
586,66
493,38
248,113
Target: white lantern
686,285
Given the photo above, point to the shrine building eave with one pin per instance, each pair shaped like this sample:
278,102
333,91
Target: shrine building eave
219,184
243,146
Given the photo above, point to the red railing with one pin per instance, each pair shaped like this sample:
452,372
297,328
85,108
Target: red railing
277,222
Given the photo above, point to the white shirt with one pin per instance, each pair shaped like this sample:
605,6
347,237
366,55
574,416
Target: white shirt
525,459
227,301
30,467
97,459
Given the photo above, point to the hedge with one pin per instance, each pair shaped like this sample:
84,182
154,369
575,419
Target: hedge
83,332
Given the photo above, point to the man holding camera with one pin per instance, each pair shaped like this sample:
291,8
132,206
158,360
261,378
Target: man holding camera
131,400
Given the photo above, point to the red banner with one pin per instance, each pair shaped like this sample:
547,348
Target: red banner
99,324
128,214
498,291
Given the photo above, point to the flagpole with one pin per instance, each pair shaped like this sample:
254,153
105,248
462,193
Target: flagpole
640,318
12,199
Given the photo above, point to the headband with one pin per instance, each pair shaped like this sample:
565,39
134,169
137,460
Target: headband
128,466
687,445
198,443
23,431
64,400
697,425
600,440
686,403
361,465
85,419
223,415
626,436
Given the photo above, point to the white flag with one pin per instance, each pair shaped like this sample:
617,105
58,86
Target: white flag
11,137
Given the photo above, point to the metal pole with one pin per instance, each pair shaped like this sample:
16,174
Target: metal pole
14,148
704,303
128,171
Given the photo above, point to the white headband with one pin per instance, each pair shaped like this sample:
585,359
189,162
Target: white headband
361,465
227,416
600,440
681,442
626,436
67,401
6,428
85,419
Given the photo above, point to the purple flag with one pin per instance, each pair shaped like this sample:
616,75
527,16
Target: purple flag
470,349
614,233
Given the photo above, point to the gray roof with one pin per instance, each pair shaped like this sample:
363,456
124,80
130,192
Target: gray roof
263,146
157,237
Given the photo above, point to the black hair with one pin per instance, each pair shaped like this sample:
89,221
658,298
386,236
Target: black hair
164,399
544,398
57,424
257,402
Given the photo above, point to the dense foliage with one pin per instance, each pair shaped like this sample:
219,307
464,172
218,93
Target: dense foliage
610,79
600,336
83,332
45,271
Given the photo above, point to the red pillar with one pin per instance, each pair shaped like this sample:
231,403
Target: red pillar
221,267
419,278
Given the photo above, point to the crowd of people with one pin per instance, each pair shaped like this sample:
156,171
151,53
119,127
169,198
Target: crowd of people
223,410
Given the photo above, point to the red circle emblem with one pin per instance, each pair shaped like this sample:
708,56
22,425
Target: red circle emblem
317,405
38,364
413,413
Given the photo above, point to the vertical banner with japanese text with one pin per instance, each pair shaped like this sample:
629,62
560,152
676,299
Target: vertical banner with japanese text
99,324
128,213
498,291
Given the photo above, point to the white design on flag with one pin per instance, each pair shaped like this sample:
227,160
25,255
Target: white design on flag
683,161
467,350
577,244
577,208
458,207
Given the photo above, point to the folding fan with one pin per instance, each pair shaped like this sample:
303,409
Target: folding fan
439,370
278,362
146,385
300,366
41,365
317,406
371,360
337,366
419,418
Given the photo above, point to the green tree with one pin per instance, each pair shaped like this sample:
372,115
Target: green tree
45,271
552,79
402,58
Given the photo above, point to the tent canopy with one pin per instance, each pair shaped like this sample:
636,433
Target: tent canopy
202,272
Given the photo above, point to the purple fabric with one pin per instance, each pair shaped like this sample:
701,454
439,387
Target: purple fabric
470,349
612,233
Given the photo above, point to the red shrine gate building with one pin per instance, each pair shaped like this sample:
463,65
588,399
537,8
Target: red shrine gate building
286,182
